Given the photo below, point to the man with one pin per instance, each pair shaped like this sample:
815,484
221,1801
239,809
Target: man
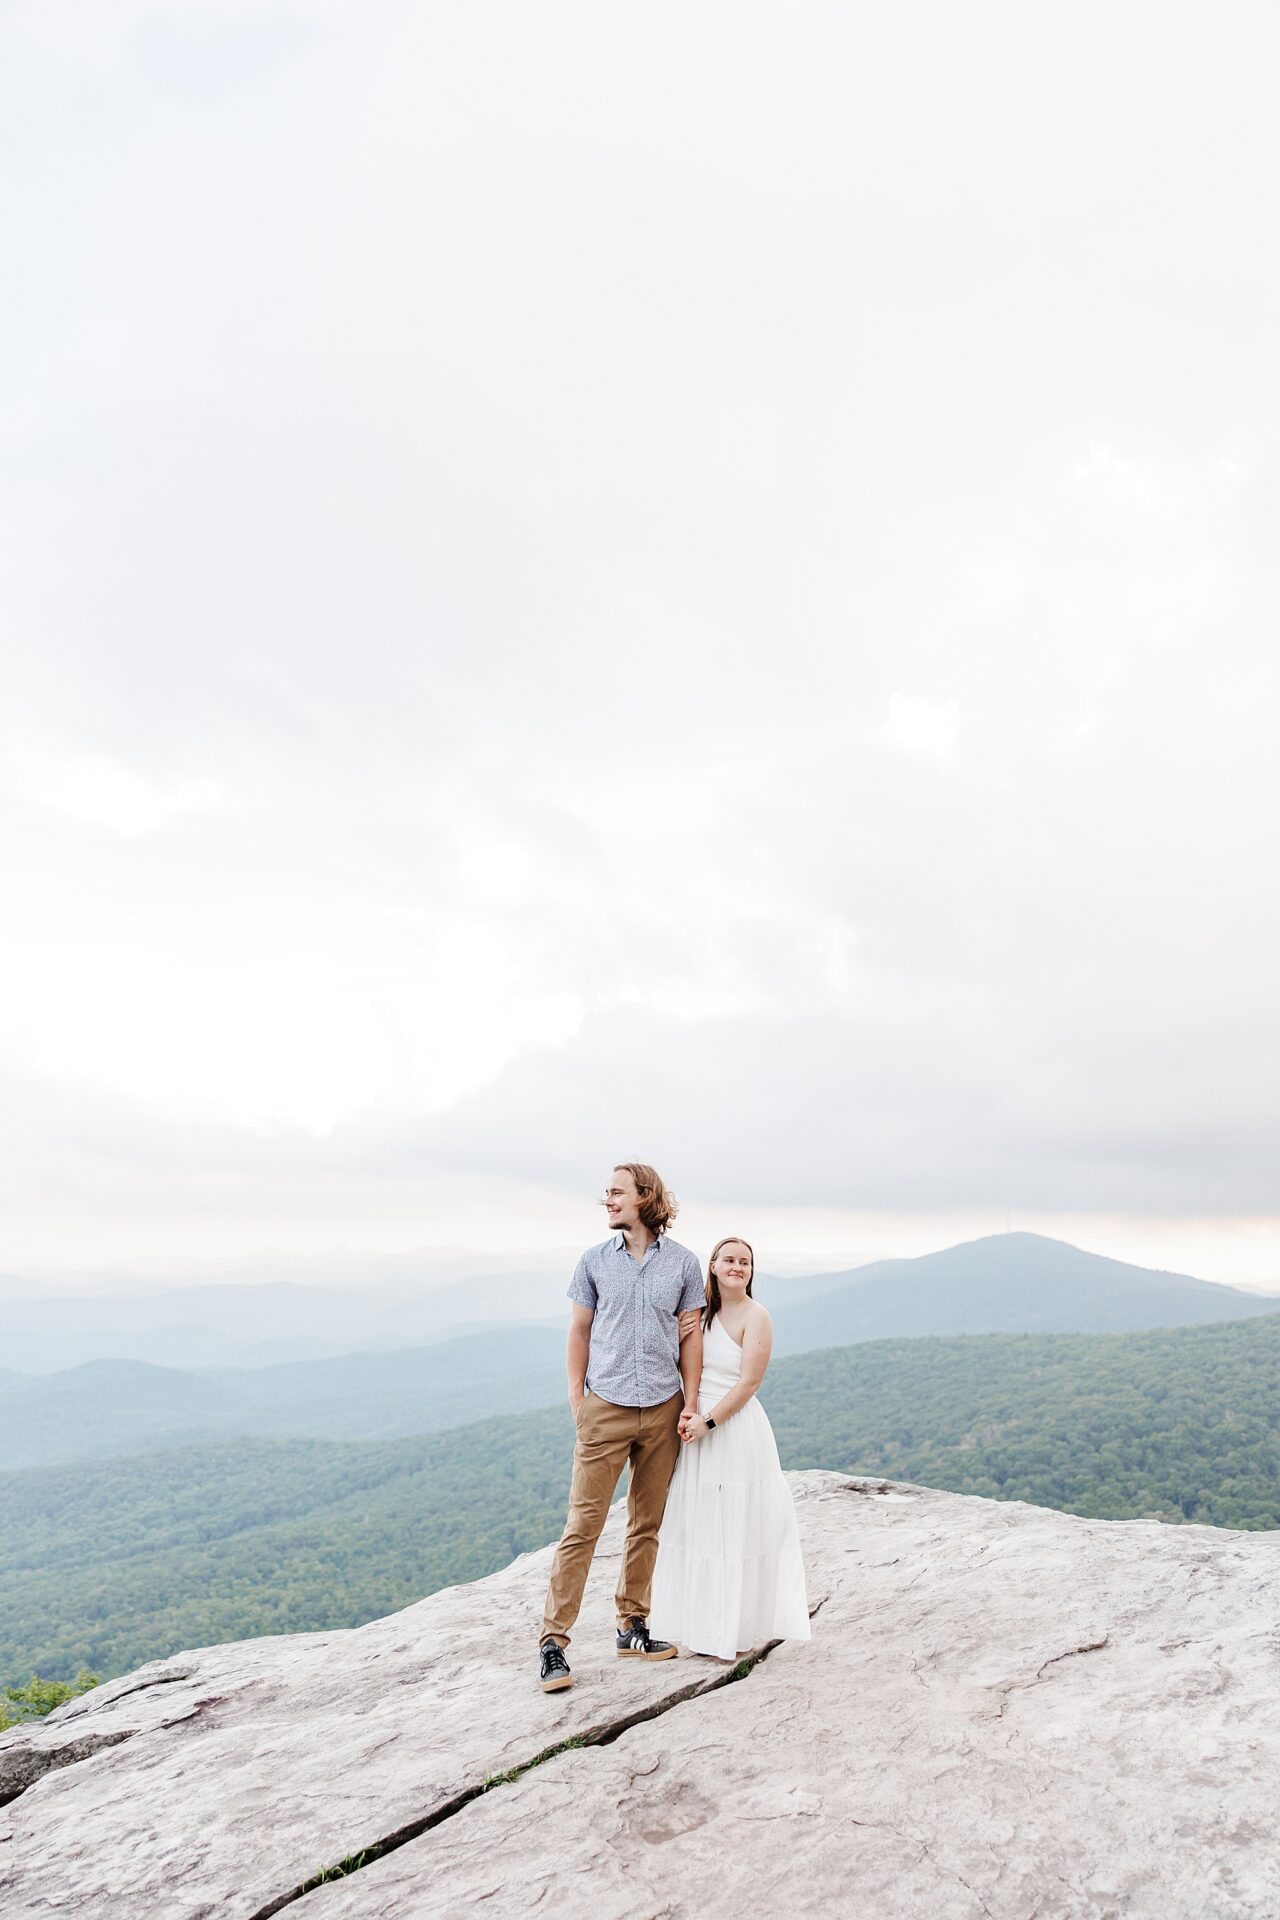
635,1340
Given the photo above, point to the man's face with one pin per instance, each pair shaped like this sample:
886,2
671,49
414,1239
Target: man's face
622,1200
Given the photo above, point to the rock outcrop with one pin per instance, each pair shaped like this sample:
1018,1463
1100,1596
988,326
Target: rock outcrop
1003,1712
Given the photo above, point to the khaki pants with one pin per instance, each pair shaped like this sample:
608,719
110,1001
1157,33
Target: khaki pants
608,1438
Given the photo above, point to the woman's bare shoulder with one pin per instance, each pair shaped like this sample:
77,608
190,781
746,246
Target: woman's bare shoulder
757,1316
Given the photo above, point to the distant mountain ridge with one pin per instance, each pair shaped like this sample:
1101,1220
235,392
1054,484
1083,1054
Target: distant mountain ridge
1005,1283
109,1407
1019,1282
264,1323
1014,1283
239,1324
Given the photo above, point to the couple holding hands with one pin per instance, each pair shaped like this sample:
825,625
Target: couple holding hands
663,1372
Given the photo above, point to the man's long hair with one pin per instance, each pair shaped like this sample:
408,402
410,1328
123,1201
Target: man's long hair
712,1307
657,1202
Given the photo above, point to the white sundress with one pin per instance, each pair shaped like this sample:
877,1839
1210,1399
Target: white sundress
729,1574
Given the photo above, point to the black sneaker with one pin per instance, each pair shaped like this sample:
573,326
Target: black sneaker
635,1643
553,1668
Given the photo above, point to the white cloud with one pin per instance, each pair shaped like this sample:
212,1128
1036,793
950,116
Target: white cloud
922,726
105,793
526,547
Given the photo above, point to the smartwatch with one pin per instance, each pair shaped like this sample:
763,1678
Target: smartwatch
710,1422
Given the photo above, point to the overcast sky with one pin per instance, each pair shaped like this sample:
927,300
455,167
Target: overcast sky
696,582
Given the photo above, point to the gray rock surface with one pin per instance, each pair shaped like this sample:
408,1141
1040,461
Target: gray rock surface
1003,1712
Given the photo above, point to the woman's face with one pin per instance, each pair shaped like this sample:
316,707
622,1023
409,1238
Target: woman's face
732,1268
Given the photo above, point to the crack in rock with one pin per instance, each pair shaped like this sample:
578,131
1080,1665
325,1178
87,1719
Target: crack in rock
100,1697
879,1487
927,1853
1069,1653
600,1736
21,1767
169,1679
1090,1646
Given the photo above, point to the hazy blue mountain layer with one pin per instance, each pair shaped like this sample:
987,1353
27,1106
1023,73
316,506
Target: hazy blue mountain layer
265,1322
113,1562
117,1406
1008,1283
1011,1283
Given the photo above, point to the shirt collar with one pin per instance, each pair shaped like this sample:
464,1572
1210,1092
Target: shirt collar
620,1243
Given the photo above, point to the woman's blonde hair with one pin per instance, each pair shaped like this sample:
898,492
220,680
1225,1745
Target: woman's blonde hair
712,1307
657,1202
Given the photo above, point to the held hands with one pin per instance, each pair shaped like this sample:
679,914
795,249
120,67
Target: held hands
692,1425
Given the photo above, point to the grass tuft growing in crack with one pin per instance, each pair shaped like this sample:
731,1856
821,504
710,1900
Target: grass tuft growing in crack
516,1773
352,1864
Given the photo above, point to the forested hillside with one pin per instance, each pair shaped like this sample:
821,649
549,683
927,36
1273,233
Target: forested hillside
115,1562
108,1564
1175,1425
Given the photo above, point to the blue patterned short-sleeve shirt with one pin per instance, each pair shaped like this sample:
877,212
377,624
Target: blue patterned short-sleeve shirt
634,1359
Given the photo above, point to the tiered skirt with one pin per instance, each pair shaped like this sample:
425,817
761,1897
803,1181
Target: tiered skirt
729,1574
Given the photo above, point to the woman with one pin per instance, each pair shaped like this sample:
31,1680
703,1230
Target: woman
729,1573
